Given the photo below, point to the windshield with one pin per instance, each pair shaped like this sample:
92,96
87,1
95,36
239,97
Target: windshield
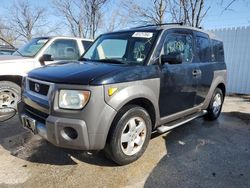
31,48
125,48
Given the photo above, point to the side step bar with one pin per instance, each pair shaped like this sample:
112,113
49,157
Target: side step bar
171,125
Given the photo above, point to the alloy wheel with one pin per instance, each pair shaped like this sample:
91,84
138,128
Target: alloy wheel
133,136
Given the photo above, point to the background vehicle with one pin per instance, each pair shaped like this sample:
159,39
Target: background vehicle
6,48
130,83
36,53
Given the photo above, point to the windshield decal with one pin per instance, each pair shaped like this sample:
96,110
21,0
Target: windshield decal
143,35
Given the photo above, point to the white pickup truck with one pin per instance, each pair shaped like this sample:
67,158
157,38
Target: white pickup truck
38,52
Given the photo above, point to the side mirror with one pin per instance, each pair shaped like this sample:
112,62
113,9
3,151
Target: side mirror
45,57
171,59
7,113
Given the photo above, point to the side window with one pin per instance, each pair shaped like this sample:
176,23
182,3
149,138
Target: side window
218,51
203,49
63,49
86,44
181,44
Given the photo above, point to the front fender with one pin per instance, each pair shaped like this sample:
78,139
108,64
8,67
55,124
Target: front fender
128,91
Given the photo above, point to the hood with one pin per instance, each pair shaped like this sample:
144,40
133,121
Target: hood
75,72
12,58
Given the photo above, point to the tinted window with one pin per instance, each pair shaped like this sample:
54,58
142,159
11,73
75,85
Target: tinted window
179,44
203,49
86,44
62,49
218,51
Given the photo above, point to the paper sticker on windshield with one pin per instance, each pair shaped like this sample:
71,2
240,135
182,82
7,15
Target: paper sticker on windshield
143,35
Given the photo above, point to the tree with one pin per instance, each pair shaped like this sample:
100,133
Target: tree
116,20
6,32
154,13
94,14
25,20
74,15
190,12
82,17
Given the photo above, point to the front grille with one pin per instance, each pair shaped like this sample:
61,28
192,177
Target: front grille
35,114
39,88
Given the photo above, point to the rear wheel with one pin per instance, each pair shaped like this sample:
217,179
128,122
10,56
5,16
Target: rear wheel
9,94
129,135
215,106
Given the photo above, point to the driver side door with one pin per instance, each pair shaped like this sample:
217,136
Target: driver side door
178,86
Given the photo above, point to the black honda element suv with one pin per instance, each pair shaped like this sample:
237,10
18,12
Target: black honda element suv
128,84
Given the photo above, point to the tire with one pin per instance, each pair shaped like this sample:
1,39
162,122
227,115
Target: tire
215,105
10,94
129,135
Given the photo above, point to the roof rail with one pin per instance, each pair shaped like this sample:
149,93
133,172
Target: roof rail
178,23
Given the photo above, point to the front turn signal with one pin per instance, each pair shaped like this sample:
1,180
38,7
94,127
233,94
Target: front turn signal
112,90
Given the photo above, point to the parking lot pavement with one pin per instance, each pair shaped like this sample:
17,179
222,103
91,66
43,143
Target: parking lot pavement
197,154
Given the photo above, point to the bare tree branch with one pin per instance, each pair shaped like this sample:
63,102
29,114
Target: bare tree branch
73,14
155,13
228,5
190,12
82,16
25,19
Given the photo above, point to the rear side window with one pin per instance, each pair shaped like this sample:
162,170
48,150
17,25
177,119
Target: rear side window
203,49
218,51
86,44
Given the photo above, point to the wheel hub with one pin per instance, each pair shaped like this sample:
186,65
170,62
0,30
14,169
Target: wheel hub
217,103
133,136
8,98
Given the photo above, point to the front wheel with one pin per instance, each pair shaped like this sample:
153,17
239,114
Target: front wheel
9,94
130,135
215,106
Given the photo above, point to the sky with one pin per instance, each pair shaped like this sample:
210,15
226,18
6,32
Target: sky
238,15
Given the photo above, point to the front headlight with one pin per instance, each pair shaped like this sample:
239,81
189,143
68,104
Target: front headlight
73,99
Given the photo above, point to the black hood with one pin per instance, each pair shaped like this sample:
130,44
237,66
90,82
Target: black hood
75,72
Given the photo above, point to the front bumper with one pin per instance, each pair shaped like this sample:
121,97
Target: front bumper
57,130
60,126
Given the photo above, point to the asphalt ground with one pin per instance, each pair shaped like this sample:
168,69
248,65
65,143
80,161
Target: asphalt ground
197,154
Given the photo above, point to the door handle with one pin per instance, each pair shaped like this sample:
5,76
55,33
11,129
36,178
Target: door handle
196,73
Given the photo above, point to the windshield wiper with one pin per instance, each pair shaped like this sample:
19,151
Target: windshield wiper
115,61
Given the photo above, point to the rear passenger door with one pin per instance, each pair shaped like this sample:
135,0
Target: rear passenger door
178,83
204,58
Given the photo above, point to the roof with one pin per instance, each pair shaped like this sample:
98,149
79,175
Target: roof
63,37
165,27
